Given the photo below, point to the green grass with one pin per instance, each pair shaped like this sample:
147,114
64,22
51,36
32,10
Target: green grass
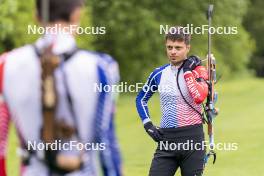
240,121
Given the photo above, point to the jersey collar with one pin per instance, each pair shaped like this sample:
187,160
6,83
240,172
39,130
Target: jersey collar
62,43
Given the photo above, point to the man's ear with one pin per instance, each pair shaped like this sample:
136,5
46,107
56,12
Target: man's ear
188,48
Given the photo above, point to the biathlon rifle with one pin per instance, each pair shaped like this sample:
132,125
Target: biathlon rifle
210,110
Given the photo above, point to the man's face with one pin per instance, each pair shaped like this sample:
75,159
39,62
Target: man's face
176,51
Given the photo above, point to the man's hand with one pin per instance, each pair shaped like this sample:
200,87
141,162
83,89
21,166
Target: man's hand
153,131
200,72
191,63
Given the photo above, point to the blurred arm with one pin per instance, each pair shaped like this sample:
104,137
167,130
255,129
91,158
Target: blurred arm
110,157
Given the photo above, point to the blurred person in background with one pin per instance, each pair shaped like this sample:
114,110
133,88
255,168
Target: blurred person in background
47,91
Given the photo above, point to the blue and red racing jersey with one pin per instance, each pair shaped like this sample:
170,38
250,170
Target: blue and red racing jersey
175,111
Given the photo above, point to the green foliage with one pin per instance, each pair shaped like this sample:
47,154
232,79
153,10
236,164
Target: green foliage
15,16
133,35
254,23
133,31
85,41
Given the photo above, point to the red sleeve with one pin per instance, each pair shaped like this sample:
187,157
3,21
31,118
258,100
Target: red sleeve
4,121
197,88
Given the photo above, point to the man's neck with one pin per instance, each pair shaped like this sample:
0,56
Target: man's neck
177,64
60,27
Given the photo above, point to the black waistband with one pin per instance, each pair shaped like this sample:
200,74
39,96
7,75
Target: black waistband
182,132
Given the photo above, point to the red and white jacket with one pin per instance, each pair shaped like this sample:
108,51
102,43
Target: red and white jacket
20,101
4,120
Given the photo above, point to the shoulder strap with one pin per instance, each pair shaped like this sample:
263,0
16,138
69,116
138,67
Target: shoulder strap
179,88
66,56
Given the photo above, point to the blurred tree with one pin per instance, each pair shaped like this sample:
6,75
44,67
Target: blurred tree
16,16
254,23
131,36
133,33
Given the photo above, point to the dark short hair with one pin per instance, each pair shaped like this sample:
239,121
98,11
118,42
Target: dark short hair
177,33
59,9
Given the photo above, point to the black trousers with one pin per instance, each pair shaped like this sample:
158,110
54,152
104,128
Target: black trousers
179,150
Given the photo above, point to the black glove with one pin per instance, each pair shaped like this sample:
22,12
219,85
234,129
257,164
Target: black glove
191,63
154,132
